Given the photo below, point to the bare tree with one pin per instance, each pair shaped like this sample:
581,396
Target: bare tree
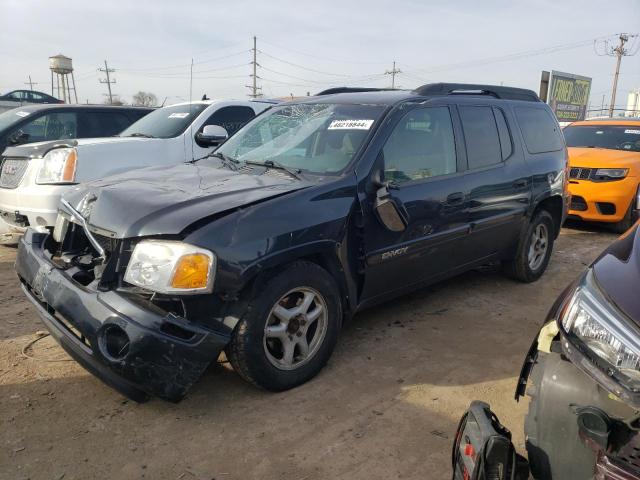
116,101
145,99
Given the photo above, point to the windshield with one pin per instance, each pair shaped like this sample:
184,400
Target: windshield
320,138
166,122
11,117
613,137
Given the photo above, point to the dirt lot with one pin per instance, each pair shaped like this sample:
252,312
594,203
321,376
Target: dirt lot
386,406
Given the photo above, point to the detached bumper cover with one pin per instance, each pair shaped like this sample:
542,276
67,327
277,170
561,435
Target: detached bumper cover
80,319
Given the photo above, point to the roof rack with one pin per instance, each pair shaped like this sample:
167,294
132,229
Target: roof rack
507,93
331,91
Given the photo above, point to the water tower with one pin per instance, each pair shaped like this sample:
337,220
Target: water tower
62,68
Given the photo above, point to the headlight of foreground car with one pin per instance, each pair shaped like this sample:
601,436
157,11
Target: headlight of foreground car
58,166
171,267
612,172
604,330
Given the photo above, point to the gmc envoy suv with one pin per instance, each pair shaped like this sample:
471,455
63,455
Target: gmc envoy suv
311,212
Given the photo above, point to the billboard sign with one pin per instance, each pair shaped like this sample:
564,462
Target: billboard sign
567,95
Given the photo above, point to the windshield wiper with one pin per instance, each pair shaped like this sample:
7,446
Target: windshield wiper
144,135
294,172
228,162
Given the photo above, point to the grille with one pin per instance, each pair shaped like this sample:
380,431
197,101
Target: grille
579,173
107,243
13,169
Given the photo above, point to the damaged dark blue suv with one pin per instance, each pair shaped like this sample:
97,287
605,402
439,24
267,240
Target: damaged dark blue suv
311,212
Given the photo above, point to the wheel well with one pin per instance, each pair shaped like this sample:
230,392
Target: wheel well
326,261
553,205
331,265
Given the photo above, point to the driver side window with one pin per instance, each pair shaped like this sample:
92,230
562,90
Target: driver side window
421,146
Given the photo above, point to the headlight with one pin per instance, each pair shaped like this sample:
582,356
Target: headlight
612,172
58,166
171,267
603,329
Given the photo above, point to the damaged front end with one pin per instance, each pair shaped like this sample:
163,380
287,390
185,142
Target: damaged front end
139,342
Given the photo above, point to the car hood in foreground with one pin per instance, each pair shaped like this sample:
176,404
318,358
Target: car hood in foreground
617,272
165,201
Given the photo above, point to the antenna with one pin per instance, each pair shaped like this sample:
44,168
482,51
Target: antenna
190,109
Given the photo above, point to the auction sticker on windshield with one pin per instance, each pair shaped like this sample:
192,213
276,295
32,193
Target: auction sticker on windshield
350,125
179,115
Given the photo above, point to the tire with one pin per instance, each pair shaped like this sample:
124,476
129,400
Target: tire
627,221
521,268
260,349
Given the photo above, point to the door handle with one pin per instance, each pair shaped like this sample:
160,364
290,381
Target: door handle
520,183
456,198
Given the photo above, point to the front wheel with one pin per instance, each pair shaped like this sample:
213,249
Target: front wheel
534,249
289,329
627,221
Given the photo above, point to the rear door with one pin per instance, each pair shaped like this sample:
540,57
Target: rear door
421,160
498,179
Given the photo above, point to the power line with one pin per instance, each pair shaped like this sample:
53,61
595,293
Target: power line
303,67
336,60
184,65
106,70
513,56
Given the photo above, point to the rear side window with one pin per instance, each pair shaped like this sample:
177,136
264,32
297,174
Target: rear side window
540,131
503,131
481,136
231,119
102,124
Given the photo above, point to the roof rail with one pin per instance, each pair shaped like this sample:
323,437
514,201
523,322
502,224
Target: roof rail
331,91
507,93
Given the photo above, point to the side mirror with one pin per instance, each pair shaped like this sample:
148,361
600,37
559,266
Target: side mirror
390,210
18,138
212,136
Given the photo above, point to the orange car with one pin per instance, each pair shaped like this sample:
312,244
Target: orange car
604,160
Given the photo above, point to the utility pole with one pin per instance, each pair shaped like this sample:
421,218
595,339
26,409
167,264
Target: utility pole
393,73
618,52
254,76
31,83
106,70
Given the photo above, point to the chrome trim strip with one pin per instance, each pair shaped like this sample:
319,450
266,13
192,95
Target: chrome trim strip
85,226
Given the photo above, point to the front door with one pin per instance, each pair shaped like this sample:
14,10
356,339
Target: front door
422,168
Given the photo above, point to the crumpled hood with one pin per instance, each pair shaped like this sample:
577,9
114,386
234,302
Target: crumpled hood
166,200
617,272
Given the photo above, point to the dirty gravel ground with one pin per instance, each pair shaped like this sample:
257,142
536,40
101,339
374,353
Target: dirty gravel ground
386,406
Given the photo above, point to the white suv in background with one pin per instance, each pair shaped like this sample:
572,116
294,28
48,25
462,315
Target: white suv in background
34,176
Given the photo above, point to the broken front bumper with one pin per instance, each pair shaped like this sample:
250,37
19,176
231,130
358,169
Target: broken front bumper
129,347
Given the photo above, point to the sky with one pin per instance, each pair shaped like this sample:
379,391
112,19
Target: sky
308,46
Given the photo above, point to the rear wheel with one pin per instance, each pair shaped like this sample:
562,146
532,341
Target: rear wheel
534,249
289,330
